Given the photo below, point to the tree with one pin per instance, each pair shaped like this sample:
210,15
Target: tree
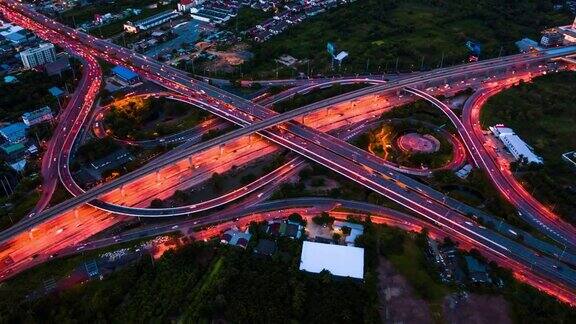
156,203
346,230
181,197
217,181
323,219
296,218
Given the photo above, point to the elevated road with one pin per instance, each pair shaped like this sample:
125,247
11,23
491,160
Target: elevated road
530,210
344,166
526,57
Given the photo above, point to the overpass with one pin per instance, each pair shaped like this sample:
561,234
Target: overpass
434,212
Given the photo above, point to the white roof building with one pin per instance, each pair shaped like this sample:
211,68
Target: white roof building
515,144
355,231
340,260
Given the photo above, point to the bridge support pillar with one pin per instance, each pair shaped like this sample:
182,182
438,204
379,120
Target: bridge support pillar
158,176
221,150
122,191
302,119
190,164
76,213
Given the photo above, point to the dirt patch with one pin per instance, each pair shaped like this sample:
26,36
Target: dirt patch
476,309
397,301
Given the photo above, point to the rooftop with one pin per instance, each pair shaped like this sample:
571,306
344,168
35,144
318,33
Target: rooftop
265,247
234,237
340,260
14,132
55,91
124,72
9,148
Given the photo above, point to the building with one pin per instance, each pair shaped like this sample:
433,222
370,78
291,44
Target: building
209,15
288,229
56,92
32,57
12,33
125,75
552,37
464,172
185,5
37,116
236,238
515,144
14,133
477,272
569,32
265,247
151,22
526,45
57,67
339,260
12,151
350,231
10,79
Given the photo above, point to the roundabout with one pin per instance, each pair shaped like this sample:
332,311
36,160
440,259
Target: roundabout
418,143
414,144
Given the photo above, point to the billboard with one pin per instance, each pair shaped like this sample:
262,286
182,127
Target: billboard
331,48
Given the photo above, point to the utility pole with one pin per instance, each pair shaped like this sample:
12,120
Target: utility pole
397,59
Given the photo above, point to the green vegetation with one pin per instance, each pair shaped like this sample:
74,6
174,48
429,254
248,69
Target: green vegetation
247,18
138,118
117,27
301,100
477,191
200,283
86,13
380,31
96,149
406,253
77,16
382,141
323,219
24,197
542,113
29,93
421,111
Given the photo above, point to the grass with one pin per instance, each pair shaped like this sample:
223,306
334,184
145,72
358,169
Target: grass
542,113
378,32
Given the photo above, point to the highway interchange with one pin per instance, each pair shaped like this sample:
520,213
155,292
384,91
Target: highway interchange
332,151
